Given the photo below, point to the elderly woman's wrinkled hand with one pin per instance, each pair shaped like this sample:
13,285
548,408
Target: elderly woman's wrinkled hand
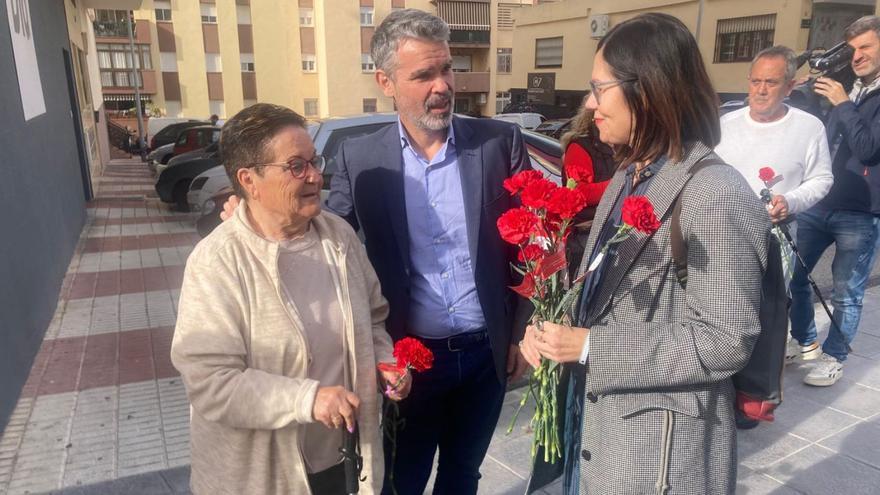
396,386
335,406
229,207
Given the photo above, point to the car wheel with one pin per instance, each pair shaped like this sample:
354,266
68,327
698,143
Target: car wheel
179,195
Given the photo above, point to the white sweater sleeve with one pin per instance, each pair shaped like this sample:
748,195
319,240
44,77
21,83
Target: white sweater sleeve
817,176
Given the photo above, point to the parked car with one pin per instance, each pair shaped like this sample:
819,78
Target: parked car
326,134
524,120
205,186
545,154
173,183
169,133
194,139
554,128
160,155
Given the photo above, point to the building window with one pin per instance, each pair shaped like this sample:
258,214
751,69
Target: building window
306,17
310,107
115,63
243,14
505,60
367,64
308,63
247,62
213,63
217,107
502,99
741,38
548,52
461,63
366,16
369,105
209,13
163,14
168,61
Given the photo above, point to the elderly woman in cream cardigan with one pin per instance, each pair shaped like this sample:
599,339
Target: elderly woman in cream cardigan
281,325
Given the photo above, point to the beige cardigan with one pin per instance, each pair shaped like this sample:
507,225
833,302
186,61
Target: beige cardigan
242,356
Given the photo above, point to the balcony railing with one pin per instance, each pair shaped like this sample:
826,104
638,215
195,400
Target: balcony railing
469,36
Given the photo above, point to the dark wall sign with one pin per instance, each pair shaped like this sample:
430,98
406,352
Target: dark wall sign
541,87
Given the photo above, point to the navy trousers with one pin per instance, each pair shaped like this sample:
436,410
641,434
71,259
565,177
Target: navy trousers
453,407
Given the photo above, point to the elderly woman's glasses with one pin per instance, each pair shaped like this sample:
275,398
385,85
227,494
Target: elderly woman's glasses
599,87
298,167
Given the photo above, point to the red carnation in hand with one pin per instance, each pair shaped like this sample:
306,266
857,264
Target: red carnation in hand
580,170
519,181
537,193
766,174
411,353
517,224
638,212
566,202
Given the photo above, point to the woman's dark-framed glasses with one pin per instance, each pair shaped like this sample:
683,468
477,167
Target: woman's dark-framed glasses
298,167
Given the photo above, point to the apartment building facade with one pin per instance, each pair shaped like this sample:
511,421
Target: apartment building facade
554,43
196,58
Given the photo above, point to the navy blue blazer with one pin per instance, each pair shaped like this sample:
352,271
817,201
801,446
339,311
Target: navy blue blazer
367,191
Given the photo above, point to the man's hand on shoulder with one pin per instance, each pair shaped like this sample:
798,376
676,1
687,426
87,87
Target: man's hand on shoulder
229,207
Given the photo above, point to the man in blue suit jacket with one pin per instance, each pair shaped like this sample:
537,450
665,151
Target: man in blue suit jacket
427,193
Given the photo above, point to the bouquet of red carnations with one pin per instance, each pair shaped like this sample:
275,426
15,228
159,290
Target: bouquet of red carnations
540,228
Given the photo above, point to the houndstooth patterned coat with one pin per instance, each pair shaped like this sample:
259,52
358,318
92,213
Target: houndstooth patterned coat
658,414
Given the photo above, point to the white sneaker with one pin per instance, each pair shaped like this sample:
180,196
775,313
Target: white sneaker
826,372
794,351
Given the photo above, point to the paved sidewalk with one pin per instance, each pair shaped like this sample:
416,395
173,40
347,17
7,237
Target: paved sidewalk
104,412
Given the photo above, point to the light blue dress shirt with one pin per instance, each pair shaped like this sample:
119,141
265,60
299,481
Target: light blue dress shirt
443,293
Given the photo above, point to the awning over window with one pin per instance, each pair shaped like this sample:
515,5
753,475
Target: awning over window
747,24
473,16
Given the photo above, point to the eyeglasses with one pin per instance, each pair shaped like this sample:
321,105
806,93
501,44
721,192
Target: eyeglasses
599,87
298,167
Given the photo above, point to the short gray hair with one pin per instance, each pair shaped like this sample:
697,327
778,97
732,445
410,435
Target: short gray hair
861,26
400,25
782,52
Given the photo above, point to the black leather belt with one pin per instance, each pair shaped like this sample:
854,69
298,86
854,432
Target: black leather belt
458,342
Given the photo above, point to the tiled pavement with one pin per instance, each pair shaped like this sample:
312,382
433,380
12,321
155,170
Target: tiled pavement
104,412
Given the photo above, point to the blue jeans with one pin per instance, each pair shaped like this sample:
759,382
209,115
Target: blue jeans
855,237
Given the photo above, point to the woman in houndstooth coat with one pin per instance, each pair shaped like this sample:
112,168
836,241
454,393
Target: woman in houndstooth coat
657,410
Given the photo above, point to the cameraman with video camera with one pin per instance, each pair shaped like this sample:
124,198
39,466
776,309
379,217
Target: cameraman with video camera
849,216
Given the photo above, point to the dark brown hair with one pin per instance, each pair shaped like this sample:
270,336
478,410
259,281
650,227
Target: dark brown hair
671,97
244,137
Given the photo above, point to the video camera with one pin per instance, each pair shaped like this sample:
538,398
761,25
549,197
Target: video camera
834,63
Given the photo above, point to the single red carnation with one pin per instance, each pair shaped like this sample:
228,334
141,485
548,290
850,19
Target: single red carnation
530,252
766,174
517,224
566,202
580,170
411,353
638,212
519,181
536,194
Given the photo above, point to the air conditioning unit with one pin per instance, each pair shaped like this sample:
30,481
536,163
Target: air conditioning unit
598,25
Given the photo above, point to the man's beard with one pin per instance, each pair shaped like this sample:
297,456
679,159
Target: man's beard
431,122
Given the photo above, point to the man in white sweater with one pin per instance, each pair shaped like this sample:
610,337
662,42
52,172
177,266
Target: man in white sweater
769,133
